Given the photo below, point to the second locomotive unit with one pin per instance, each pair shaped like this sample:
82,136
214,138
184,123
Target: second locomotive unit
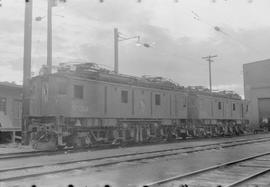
88,106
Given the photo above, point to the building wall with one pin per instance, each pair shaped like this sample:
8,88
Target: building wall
256,85
11,107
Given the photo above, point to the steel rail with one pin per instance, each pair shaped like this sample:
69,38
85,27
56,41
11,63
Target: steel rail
11,154
147,152
96,165
190,174
28,154
241,181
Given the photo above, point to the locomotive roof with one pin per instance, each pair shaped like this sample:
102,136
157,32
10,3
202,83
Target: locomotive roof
125,79
224,94
93,72
10,85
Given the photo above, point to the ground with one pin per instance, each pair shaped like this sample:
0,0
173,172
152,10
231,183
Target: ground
131,174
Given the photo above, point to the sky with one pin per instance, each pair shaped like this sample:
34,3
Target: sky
180,34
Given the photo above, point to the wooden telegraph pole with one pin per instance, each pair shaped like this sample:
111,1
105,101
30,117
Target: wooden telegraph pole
116,40
209,59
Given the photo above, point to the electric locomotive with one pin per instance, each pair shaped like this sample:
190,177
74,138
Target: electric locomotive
84,105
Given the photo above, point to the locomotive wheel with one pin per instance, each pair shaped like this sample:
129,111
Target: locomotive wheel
50,145
183,136
77,142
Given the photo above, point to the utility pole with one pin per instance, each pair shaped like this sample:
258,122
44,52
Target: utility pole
49,36
209,59
26,69
116,39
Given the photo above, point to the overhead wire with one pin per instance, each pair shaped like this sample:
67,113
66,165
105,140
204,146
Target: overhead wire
220,30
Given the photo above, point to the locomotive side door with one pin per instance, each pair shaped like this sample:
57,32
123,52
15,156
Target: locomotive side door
264,111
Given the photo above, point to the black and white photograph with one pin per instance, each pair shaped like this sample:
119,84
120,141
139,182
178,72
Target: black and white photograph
134,93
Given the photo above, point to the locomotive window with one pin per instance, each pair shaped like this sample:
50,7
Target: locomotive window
124,96
233,106
33,88
157,99
3,105
219,105
78,91
62,88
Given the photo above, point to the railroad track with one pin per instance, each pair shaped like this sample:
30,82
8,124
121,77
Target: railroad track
28,154
228,174
17,173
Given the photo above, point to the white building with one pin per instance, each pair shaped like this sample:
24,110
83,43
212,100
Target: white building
257,89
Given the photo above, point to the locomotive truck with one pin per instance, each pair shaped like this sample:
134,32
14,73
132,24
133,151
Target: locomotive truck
84,105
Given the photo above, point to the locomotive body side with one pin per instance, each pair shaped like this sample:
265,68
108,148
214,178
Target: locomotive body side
73,97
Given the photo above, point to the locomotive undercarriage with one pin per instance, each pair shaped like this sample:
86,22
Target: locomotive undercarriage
215,128
59,132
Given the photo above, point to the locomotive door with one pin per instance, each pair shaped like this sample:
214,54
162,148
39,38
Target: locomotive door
17,112
264,109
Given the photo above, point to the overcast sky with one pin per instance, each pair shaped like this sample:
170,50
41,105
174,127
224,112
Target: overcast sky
181,34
